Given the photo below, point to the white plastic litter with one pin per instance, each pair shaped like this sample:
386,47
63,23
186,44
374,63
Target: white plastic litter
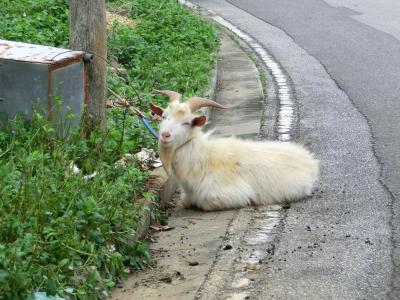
146,158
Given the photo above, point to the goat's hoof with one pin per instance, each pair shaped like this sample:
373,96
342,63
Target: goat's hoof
186,204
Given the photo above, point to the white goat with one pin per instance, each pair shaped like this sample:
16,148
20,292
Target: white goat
226,173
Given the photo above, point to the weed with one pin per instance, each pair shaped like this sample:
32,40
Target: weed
30,21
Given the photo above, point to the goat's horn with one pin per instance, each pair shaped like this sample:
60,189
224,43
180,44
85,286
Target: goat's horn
173,96
195,103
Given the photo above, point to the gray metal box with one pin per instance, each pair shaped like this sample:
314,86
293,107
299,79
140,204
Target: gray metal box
32,76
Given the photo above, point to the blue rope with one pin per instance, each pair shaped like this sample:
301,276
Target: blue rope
148,126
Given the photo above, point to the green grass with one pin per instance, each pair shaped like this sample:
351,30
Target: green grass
174,52
35,21
59,233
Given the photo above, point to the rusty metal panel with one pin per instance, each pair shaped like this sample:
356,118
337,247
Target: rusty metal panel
31,75
36,53
22,86
68,83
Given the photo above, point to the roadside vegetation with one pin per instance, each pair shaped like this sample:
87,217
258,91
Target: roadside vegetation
61,234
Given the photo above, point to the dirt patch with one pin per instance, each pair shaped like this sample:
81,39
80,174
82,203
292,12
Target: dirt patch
114,17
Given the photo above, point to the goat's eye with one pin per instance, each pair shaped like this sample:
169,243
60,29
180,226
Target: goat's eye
186,124
163,117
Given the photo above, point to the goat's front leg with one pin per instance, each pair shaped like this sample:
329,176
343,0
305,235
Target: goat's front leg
185,199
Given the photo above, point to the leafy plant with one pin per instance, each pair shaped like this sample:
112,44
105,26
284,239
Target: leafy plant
32,21
169,47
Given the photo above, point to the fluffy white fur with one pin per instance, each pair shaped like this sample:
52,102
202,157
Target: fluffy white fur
226,173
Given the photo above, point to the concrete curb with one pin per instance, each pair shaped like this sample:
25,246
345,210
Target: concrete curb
158,180
144,225
212,86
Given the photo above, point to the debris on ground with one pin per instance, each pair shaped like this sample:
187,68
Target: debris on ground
115,17
159,227
250,266
73,168
168,278
227,247
145,159
126,160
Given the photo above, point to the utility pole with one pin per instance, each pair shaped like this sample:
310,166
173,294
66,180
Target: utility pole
88,32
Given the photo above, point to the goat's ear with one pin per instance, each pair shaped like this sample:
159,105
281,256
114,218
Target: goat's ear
199,121
156,109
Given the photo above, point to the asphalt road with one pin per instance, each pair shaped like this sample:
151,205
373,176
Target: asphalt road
343,58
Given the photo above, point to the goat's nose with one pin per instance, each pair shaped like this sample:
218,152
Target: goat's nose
165,134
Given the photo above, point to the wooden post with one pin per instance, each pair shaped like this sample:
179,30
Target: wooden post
88,32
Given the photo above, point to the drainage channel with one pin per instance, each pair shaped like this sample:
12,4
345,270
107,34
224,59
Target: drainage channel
281,80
